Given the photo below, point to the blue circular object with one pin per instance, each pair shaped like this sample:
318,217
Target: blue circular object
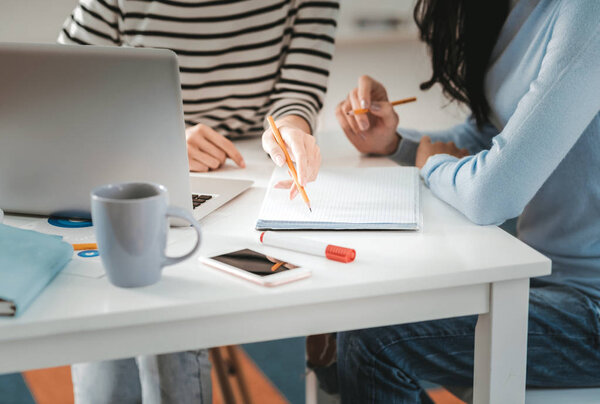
69,223
88,253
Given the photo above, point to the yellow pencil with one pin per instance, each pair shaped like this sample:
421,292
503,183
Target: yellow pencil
394,103
288,160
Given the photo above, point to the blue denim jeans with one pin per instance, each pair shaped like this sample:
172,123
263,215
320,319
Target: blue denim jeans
177,378
385,365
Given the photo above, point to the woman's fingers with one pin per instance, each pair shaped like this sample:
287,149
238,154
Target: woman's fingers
288,184
314,157
208,160
271,147
284,184
365,84
316,164
226,145
350,117
197,166
212,150
427,148
296,145
205,159
203,139
302,148
385,111
199,160
362,120
340,113
376,90
358,139
362,97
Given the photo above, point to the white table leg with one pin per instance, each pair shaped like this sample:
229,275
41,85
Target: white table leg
311,387
501,345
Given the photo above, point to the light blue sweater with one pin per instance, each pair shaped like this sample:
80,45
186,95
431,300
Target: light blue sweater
540,155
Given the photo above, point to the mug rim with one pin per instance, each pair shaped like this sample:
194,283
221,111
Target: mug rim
162,190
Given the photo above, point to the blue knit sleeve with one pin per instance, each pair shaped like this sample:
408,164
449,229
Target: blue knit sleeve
496,184
465,135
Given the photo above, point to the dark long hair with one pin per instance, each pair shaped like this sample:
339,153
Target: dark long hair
460,35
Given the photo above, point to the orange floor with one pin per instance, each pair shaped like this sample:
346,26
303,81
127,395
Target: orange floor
51,386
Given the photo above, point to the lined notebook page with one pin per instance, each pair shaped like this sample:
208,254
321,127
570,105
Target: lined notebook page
346,198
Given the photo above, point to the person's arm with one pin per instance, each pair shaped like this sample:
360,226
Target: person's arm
92,22
304,72
300,90
496,184
465,136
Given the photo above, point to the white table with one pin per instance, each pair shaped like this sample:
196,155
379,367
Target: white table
450,268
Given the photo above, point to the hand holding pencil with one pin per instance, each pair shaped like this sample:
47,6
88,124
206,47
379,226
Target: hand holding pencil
361,111
373,132
300,146
288,160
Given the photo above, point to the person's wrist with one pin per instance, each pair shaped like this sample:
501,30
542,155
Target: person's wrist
293,121
393,144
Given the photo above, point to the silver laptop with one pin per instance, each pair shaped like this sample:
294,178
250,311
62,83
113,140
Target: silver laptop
75,117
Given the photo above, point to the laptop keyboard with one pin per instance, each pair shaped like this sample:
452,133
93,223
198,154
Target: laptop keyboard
198,200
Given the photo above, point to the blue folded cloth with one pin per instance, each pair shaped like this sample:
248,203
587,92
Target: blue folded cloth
29,260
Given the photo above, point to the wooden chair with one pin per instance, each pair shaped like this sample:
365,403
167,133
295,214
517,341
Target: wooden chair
227,366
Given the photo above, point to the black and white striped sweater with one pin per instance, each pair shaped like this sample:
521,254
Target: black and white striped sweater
240,60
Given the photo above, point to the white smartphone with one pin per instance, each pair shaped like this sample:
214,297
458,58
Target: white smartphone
257,267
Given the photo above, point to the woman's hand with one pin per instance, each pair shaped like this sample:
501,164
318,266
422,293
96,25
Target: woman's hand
208,150
302,148
375,131
427,149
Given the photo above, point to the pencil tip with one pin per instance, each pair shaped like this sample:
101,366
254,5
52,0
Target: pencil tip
310,210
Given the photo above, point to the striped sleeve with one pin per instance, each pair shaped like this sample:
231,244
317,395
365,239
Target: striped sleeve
92,22
301,87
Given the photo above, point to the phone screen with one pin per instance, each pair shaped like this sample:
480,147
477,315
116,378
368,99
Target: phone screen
254,262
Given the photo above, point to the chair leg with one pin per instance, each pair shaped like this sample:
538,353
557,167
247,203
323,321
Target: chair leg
239,375
311,388
222,375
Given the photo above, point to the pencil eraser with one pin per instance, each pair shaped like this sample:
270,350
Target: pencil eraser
340,254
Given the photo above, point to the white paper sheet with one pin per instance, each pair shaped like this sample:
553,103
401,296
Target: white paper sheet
346,198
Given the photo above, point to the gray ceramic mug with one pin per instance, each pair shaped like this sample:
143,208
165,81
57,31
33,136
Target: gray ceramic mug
131,224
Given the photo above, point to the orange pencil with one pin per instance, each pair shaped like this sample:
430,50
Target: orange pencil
288,160
85,246
394,103
276,266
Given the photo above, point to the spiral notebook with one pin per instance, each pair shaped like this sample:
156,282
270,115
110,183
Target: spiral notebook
379,198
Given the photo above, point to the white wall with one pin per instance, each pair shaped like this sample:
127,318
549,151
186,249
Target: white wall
33,20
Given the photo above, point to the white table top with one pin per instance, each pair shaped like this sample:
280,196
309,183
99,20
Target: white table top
448,251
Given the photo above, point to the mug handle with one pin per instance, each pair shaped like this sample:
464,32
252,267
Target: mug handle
185,215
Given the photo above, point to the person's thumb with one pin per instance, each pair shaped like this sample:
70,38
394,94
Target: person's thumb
385,111
272,148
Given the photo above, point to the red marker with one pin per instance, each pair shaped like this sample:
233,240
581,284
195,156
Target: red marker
308,246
